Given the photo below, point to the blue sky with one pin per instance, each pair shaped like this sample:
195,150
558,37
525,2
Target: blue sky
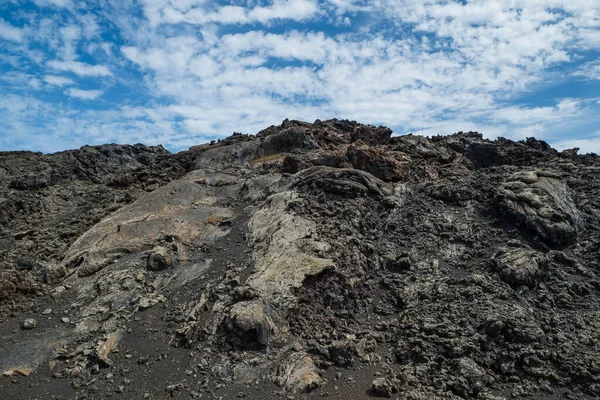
182,72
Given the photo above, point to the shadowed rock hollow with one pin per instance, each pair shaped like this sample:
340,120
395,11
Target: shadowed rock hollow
309,260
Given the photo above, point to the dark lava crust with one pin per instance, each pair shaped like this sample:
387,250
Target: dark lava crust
309,260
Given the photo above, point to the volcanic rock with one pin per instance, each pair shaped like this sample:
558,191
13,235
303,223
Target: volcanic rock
29,323
272,265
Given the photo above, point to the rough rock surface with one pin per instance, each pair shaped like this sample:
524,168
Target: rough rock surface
329,259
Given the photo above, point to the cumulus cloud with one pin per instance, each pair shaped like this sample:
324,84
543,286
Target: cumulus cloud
53,3
586,145
34,83
9,32
84,94
57,80
199,13
80,68
590,70
565,109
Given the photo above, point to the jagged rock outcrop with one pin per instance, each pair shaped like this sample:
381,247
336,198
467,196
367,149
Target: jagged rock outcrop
308,260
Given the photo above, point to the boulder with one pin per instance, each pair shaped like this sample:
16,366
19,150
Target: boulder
160,258
384,387
288,140
343,182
541,201
519,266
371,135
378,162
250,325
297,373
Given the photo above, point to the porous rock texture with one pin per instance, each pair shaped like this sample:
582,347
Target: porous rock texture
326,259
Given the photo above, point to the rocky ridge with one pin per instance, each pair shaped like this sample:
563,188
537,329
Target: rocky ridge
327,259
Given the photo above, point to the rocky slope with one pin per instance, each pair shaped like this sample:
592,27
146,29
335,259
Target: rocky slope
308,260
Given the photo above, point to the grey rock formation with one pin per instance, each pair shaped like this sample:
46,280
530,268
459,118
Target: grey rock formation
541,200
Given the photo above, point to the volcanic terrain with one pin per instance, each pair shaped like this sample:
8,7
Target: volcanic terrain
311,260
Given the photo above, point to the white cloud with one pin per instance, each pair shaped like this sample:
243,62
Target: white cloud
313,47
589,145
566,108
9,32
34,83
429,67
80,68
53,3
84,94
70,36
590,70
481,53
296,10
57,80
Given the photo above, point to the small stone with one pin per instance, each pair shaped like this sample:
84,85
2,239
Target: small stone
47,311
65,320
148,302
160,258
143,360
383,387
23,371
29,323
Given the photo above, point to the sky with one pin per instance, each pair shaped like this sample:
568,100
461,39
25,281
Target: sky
184,72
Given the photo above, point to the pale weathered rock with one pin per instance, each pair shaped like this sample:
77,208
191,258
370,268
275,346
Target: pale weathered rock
150,301
383,387
29,323
541,201
171,210
250,322
287,247
527,177
104,349
519,266
297,373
